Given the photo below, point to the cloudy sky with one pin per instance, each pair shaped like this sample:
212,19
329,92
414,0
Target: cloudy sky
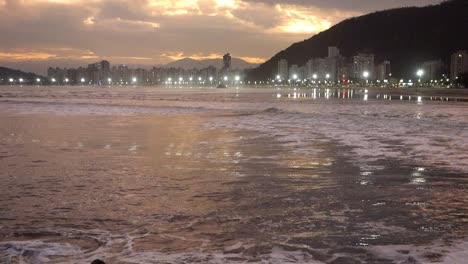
37,33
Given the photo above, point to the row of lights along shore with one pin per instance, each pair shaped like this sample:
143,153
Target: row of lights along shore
236,80
365,74
134,80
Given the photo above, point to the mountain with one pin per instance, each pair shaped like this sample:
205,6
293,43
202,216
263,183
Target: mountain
28,77
189,63
405,36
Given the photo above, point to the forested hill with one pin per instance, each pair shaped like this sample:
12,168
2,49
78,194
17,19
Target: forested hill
405,36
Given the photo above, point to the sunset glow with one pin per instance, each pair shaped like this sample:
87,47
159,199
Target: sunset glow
159,31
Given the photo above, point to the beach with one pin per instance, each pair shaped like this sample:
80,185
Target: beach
237,175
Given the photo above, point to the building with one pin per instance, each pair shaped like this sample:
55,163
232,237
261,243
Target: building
333,52
346,70
121,74
294,71
56,74
458,64
316,69
383,71
283,69
227,62
99,72
141,76
333,64
432,69
363,68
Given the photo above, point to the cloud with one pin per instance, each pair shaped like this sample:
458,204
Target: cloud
25,56
155,31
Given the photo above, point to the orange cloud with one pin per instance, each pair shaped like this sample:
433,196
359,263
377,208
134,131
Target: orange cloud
253,60
201,56
197,56
26,56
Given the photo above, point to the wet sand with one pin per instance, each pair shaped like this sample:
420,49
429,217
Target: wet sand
209,176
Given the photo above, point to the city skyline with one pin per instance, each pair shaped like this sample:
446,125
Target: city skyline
68,33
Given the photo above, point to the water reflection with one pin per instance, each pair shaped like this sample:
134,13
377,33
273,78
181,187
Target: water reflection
360,94
168,188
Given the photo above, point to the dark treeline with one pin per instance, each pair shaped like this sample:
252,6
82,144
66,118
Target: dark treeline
28,77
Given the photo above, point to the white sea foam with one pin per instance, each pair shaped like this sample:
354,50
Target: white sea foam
435,253
431,135
36,251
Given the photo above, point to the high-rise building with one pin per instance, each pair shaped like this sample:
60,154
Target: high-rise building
227,62
283,69
363,66
458,64
432,69
57,74
333,64
316,68
294,72
99,72
333,52
383,71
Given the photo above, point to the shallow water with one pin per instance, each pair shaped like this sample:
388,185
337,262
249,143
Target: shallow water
198,175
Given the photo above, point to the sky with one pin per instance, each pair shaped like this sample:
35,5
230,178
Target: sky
36,34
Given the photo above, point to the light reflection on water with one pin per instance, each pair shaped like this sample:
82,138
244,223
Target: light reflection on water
155,188
317,93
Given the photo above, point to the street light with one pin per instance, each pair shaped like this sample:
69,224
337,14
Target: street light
20,80
365,74
211,78
109,80
237,78
11,80
83,80
295,76
314,76
225,78
53,80
38,80
278,77
420,73
66,80
134,80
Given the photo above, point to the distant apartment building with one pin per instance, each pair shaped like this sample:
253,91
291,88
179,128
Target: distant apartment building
333,52
283,69
121,74
432,69
324,68
227,62
363,65
207,73
56,74
142,76
99,72
346,70
383,71
294,71
316,69
458,64
333,64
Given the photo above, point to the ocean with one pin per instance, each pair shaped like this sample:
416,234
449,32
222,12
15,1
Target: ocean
237,175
